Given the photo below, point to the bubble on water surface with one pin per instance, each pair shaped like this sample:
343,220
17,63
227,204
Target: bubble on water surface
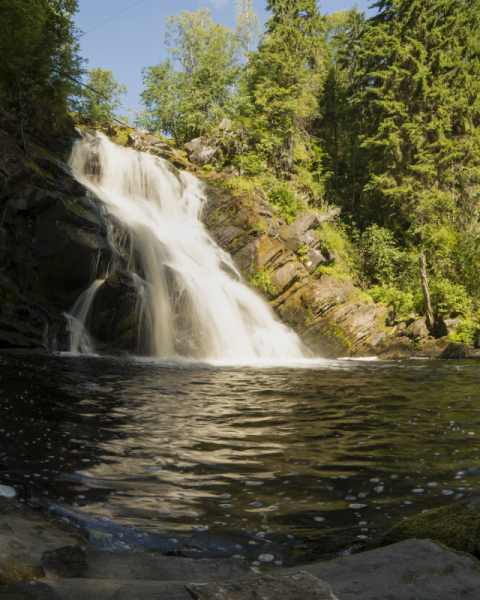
7,492
265,558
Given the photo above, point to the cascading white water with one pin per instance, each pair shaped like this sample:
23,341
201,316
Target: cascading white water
185,271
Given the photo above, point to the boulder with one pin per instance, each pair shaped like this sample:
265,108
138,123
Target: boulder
442,348
410,570
221,146
445,326
144,141
457,526
285,586
201,151
418,330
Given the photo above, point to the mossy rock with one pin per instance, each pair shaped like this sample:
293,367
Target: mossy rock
456,526
12,571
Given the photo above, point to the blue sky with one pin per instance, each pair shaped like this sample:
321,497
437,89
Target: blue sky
134,39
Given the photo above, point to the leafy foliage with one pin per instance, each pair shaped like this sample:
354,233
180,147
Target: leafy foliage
466,332
96,105
401,301
448,299
282,196
38,50
285,76
185,103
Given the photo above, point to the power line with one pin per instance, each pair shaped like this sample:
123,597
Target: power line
110,18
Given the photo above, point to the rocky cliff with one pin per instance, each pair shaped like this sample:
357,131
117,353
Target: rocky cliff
53,233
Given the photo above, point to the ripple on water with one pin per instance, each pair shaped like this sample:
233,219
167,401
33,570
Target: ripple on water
375,441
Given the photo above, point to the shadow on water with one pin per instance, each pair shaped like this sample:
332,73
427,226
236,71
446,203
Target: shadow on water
241,461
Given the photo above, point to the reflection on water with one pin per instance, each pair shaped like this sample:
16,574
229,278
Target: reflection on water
241,461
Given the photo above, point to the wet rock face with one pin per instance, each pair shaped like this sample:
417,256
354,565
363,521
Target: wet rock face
281,262
330,314
51,236
115,313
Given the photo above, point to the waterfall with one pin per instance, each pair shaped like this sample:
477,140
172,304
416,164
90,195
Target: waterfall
194,301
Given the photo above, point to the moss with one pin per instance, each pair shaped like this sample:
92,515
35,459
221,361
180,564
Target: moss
43,152
12,571
309,318
9,295
263,279
8,146
339,338
259,227
337,271
457,526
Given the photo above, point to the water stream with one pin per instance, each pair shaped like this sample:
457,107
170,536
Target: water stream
193,290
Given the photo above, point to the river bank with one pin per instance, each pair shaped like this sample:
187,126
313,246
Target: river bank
41,559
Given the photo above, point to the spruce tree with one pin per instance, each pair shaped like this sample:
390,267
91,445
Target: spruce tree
342,114
286,74
422,139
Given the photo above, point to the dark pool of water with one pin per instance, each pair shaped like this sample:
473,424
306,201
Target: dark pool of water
239,461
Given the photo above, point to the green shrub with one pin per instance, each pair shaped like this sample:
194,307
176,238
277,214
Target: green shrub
383,262
337,271
283,197
263,279
250,163
466,332
401,301
448,299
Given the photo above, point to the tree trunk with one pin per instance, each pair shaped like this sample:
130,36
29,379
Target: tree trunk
426,293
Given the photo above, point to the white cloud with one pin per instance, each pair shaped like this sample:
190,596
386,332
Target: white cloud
219,3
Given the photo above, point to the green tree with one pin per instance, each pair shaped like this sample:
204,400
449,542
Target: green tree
38,51
185,103
422,138
286,75
247,32
97,105
342,117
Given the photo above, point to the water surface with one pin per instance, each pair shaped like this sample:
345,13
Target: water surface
241,461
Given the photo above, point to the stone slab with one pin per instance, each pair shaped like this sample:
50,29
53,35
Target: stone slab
109,565
409,570
95,589
25,535
297,585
